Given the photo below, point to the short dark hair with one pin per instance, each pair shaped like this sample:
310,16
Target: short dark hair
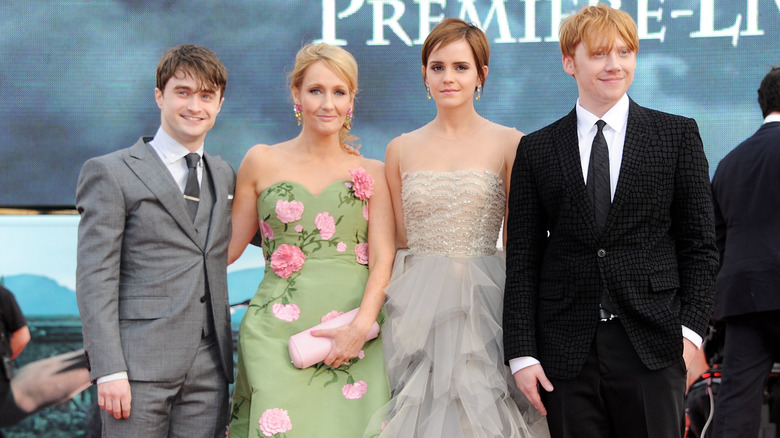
769,92
455,29
199,62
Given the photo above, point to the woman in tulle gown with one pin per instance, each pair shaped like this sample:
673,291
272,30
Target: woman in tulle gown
448,181
313,197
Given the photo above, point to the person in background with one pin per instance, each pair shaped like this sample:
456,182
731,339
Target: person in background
746,194
326,226
611,253
151,276
14,336
449,181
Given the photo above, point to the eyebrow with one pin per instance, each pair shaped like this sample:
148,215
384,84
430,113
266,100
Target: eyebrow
436,61
190,89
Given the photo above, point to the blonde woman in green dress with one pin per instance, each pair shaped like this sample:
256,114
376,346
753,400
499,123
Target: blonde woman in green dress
319,206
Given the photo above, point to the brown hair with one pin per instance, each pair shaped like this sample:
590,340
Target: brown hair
598,27
455,29
199,62
340,62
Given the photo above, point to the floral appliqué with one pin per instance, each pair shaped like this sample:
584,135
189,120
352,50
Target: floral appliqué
275,423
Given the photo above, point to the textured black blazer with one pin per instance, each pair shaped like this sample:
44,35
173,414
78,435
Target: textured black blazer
746,195
656,253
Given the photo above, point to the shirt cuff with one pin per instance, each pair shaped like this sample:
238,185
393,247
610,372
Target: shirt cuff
519,363
692,336
116,376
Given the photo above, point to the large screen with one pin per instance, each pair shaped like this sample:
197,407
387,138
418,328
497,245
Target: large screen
77,78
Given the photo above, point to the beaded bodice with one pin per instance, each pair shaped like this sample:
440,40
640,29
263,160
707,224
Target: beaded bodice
454,214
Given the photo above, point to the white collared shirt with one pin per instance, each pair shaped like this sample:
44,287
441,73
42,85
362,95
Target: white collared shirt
172,153
772,117
614,132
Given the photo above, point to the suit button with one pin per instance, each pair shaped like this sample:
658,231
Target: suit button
601,253
203,299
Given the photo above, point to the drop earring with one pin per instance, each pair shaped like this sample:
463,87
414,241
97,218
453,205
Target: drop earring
298,113
348,119
479,92
428,91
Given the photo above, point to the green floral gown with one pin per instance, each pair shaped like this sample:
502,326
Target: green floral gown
316,258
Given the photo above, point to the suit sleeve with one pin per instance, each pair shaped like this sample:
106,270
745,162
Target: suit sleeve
526,235
100,201
694,231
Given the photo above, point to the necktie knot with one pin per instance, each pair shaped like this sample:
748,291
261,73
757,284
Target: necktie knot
600,124
192,160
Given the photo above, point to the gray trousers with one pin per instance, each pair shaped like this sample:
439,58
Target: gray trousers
195,406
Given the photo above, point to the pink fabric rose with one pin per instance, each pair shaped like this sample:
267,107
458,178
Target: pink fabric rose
288,211
363,183
286,260
266,231
275,421
355,390
286,312
298,228
361,253
365,212
326,224
341,247
330,315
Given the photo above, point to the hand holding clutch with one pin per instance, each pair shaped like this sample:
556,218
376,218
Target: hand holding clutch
306,350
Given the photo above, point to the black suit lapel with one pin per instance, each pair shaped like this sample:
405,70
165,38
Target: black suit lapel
567,145
639,132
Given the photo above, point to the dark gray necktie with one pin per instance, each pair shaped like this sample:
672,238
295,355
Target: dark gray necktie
598,176
192,189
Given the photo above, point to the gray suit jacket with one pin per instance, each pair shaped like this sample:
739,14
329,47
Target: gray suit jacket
143,266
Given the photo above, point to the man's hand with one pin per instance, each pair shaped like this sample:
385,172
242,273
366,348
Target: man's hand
114,397
528,380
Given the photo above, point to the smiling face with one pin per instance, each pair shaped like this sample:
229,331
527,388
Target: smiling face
603,74
324,98
187,111
452,74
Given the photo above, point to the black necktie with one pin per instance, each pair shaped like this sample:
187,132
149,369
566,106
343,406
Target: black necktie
598,187
192,189
598,176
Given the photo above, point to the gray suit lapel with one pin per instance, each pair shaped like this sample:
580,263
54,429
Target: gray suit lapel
150,169
220,193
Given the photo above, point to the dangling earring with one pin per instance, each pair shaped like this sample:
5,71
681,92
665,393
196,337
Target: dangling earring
479,92
348,119
298,113
428,91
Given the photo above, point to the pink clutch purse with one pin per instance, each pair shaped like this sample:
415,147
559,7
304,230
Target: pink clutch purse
306,350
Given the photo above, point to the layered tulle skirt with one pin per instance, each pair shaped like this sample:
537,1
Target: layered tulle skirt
444,354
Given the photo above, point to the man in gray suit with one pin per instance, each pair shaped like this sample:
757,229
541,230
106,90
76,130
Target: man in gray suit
152,254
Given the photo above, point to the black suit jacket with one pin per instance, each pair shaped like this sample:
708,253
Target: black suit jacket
746,195
656,253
